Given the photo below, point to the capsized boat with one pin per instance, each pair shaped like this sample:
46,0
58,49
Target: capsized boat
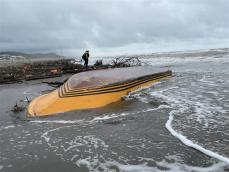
95,89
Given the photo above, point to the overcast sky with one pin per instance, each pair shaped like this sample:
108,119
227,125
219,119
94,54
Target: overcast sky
111,27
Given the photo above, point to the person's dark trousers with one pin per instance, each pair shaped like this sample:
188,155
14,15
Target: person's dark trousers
86,63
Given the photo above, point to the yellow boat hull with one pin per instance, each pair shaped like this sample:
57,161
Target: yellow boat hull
66,99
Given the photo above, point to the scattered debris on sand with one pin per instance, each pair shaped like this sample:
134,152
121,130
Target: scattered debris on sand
126,62
56,68
55,84
17,108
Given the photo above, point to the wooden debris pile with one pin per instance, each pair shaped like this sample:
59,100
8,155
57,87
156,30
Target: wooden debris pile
126,62
37,70
55,68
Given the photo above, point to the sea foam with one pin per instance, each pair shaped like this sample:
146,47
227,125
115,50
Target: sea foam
189,143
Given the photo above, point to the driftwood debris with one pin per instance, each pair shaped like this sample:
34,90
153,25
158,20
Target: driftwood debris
28,101
55,84
126,62
17,109
56,68
98,63
37,70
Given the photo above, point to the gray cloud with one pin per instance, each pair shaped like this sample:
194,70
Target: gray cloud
112,26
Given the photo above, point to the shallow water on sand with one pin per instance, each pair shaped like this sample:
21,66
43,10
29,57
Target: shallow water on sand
179,124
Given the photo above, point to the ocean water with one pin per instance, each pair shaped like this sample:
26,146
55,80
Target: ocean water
179,124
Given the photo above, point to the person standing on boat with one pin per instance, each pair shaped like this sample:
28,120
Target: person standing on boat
85,57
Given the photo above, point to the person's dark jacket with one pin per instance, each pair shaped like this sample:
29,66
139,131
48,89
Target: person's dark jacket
85,56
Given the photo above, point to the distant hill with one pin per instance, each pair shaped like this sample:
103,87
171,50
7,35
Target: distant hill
32,56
